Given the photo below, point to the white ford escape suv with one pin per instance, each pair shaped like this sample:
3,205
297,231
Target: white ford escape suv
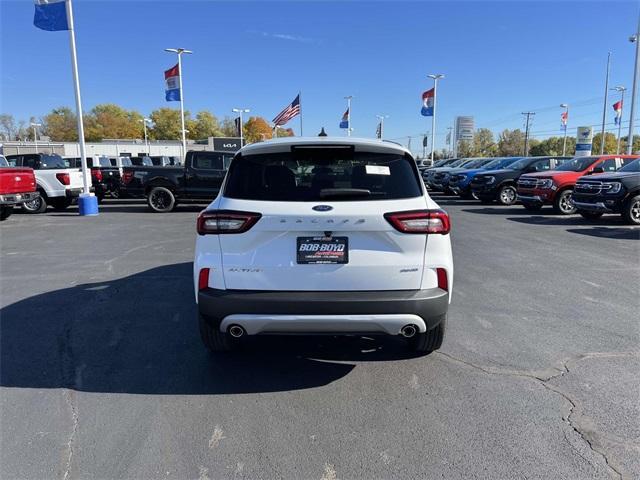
323,235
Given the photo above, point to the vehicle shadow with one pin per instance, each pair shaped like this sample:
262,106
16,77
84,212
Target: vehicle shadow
499,210
629,233
139,334
567,221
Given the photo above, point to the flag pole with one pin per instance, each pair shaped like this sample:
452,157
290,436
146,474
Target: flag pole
76,87
300,104
88,204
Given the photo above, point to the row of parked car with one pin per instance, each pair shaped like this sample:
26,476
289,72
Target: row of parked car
37,181
590,185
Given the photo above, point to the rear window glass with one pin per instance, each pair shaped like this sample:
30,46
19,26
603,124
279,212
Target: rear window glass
208,161
309,175
52,161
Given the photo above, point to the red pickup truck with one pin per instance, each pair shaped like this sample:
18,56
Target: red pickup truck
555,187
17,185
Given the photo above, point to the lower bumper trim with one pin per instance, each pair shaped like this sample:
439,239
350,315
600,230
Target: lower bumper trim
592,207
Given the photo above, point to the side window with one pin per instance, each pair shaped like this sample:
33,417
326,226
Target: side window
14,161
542,165
207,161
29,161
626,161
609,165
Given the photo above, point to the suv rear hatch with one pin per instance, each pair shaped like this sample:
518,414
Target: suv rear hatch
322,222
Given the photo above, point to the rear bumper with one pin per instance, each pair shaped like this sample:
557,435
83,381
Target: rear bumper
260,312
17,198
73,192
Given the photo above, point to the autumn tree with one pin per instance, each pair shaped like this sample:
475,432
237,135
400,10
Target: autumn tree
284,132
256,129
511,143
553,146
166,124
228,127
60,125
8,127
465,149
112,121
203,126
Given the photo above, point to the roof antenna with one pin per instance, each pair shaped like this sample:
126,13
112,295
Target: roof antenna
322,133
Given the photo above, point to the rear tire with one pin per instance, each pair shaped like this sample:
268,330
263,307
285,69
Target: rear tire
5,212
431,340
532,207
563,205
507,195
590,215
214,339
631,212
161,200
38,205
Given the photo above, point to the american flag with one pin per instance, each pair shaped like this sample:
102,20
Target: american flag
290,111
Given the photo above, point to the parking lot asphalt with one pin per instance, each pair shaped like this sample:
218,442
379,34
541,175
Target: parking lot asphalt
103,374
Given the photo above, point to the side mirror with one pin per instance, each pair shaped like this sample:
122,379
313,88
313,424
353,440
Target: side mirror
597,170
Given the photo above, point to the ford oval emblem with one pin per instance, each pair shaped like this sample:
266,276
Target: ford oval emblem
322,208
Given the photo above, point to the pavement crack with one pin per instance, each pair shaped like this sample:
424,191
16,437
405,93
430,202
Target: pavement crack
544,381
69,397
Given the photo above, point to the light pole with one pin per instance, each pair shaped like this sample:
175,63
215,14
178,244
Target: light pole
179,52
566,120
146,141
606,100
435,78
636,72
620,89
381,118
35,134
241,111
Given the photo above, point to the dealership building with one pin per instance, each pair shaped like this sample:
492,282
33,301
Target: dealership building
125,148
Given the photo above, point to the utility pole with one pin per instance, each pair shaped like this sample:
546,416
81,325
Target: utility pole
606,100
450,137
636,72
526,133
35,134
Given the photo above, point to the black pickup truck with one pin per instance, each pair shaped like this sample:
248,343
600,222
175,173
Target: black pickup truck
199,179
105,178
500,185
616,192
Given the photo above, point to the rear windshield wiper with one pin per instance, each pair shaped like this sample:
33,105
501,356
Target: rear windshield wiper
344,192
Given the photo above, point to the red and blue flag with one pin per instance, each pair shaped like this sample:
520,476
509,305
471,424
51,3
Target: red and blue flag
172,84
427,103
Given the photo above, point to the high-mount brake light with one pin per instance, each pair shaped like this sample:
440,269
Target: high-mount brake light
420,221
216,222
63,178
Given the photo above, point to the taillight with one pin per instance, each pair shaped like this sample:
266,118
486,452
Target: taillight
63,178
443,281
97,174
127,177
420,221
203,278
225,221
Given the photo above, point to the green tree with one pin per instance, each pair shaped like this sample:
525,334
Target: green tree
511,143
483,144
203,126
60,125
166,124
256,129
465,149
553,146
610,143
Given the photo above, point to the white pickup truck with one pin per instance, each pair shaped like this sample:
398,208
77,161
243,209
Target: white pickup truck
57,185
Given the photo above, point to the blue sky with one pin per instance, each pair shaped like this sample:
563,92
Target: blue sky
499,58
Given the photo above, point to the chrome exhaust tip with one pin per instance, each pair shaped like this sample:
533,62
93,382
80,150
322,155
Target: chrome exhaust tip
408,331
236,331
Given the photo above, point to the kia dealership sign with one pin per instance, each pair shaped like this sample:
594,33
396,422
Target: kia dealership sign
225,144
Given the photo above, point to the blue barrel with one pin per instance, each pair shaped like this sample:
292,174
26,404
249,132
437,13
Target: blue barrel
88,205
